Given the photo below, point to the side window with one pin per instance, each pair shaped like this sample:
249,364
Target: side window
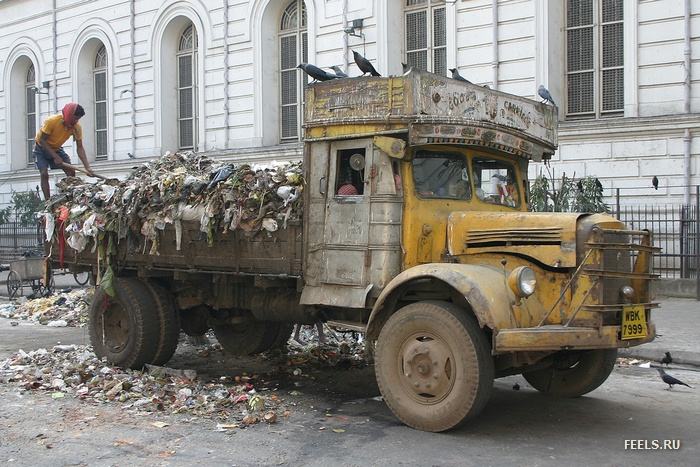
350,172
441,175
495,182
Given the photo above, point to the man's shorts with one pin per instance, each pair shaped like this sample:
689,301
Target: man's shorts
44,160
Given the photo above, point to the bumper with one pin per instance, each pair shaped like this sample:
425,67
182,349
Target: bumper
565,338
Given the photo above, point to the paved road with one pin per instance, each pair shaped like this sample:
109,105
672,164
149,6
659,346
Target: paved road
520,428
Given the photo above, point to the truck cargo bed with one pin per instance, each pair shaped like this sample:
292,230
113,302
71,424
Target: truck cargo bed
235,252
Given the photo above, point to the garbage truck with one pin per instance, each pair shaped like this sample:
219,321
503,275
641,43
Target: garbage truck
416,230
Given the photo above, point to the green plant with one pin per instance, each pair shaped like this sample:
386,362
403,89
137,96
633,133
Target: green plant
25,206
589,196
548,194
5,215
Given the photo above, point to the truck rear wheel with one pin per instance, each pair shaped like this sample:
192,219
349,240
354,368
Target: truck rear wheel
574,373
433,366
169,323
124,329
251,337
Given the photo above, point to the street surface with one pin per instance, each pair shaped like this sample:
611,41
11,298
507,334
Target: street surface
520,428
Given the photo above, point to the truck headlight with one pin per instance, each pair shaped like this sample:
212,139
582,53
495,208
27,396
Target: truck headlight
522,281
628,293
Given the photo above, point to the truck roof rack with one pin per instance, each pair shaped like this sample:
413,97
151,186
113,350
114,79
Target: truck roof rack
433,109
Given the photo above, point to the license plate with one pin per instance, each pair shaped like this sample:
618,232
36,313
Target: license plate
634,322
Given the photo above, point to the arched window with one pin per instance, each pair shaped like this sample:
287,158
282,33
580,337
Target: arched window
100,102
293,51
426,35
30,106
187,89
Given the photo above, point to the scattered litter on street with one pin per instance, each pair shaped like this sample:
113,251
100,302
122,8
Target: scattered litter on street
59,310
65,371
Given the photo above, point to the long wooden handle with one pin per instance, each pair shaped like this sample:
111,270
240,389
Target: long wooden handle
79,169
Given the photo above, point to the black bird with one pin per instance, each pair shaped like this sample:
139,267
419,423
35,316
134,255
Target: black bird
131,156
667,359
670,380
364,65
315,72
655,182
406,68
457,76
338,72
579,185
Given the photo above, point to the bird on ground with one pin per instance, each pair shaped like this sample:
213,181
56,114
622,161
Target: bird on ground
315,72
457,76
406,68
667,359
670,380
364,65
544,94
655,182
338,72
131,156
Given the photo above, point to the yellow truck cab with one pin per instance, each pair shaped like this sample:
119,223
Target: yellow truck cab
463,282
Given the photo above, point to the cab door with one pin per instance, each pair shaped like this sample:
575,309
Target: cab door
346,231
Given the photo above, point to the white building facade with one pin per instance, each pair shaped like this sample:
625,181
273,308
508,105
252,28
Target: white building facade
220,76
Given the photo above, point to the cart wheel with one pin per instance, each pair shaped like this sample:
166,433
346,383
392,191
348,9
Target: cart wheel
81,278
52,286
14,285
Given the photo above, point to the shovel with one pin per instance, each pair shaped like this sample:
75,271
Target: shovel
75,167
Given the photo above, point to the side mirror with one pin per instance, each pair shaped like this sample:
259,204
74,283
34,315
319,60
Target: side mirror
394,147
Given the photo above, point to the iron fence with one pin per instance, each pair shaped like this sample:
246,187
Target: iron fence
675,230
18,239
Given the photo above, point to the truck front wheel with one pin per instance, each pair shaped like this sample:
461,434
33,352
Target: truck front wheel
433,365
573,373
125,328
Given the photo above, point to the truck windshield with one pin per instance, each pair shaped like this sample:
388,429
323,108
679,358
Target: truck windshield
495,181
441,175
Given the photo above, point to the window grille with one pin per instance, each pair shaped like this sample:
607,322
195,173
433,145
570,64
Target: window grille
293,47
595,57
100,99
30,106
187,89
426,35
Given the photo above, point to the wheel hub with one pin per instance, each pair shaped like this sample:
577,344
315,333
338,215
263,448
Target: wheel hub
116,327
428,368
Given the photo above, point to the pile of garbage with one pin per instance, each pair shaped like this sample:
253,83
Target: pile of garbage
176,188
76,371
335,348
58,310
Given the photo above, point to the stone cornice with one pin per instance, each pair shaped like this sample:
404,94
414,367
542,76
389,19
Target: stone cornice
627,127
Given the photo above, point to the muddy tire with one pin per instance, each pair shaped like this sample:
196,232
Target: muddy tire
251,337
280,339
434,366
124,329
574,373
169,323
195,321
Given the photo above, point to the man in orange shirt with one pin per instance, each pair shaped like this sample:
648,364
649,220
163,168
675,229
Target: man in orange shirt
54,132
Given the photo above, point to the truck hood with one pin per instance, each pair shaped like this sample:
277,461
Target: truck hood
548,238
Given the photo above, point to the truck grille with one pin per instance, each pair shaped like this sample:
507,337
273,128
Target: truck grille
621,258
